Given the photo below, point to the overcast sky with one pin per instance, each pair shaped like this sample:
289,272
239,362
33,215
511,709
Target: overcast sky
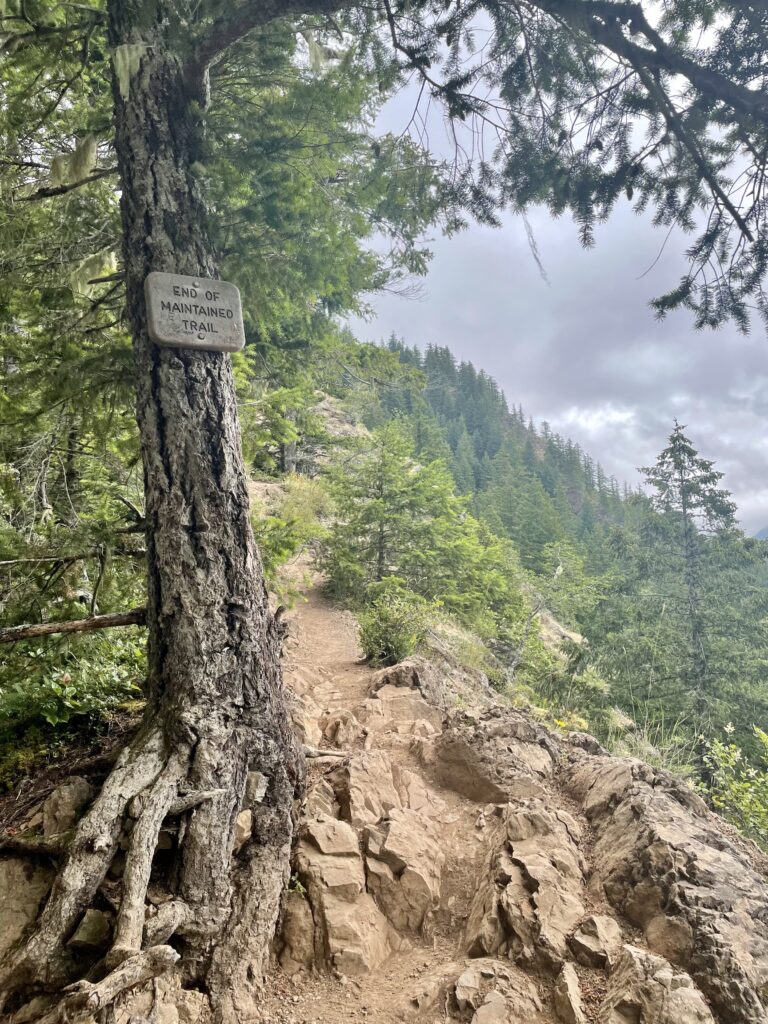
585,351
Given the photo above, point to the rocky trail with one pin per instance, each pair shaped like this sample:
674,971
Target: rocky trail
458,862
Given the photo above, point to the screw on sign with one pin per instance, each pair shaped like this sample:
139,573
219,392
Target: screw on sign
194,312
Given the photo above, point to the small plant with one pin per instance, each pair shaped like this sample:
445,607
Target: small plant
294,885
82,678
394,624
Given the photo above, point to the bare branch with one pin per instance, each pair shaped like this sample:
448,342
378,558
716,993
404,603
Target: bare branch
79,557
59,190
136,617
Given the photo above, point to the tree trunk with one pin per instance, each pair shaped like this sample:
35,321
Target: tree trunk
216,707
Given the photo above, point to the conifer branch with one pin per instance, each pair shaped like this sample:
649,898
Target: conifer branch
230,28
602,20
676,126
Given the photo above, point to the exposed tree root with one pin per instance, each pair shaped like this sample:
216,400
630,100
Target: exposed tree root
222,910
41,846
43,960
153,807
84,998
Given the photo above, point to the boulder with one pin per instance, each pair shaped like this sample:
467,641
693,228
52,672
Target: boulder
415,795
497,991
647,989
664,862
333,837
469,988
414,674
404,863
298,934
328,860
400,711
493,1009
497,756
567,996
434,989
351,935
339,729
597,941
24,884
529,898
64,805
356,936
305,715
321,800
586,742
365,788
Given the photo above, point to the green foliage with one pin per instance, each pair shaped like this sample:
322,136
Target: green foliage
83,678
568,589
622,570
398,517
294,885
394,622
738,787
293,523
660,741
454,493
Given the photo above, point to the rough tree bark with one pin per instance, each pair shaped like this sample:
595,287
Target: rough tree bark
216,708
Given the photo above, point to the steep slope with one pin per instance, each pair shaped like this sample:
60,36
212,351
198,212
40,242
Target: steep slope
458,862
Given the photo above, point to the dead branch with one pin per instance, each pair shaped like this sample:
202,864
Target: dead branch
77,557
48,191
135,617
312,752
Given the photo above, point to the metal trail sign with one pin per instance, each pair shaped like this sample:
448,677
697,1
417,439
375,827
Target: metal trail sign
194,312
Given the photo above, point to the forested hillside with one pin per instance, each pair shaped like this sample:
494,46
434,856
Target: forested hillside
669,593
427,500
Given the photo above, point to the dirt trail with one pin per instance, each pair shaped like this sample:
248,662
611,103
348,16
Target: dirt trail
324,662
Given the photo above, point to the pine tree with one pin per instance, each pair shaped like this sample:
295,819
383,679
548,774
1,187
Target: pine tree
691,505
399,519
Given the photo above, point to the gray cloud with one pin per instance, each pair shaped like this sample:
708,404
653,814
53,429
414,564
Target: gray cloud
585,352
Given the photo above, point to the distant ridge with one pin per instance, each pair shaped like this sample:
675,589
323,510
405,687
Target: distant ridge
762,534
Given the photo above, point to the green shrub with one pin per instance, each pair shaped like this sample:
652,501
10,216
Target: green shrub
393,624
292,524
738,790
83,678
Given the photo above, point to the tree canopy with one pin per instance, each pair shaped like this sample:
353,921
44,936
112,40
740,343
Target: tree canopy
571,103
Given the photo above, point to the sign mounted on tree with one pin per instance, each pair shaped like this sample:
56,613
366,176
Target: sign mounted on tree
194,312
